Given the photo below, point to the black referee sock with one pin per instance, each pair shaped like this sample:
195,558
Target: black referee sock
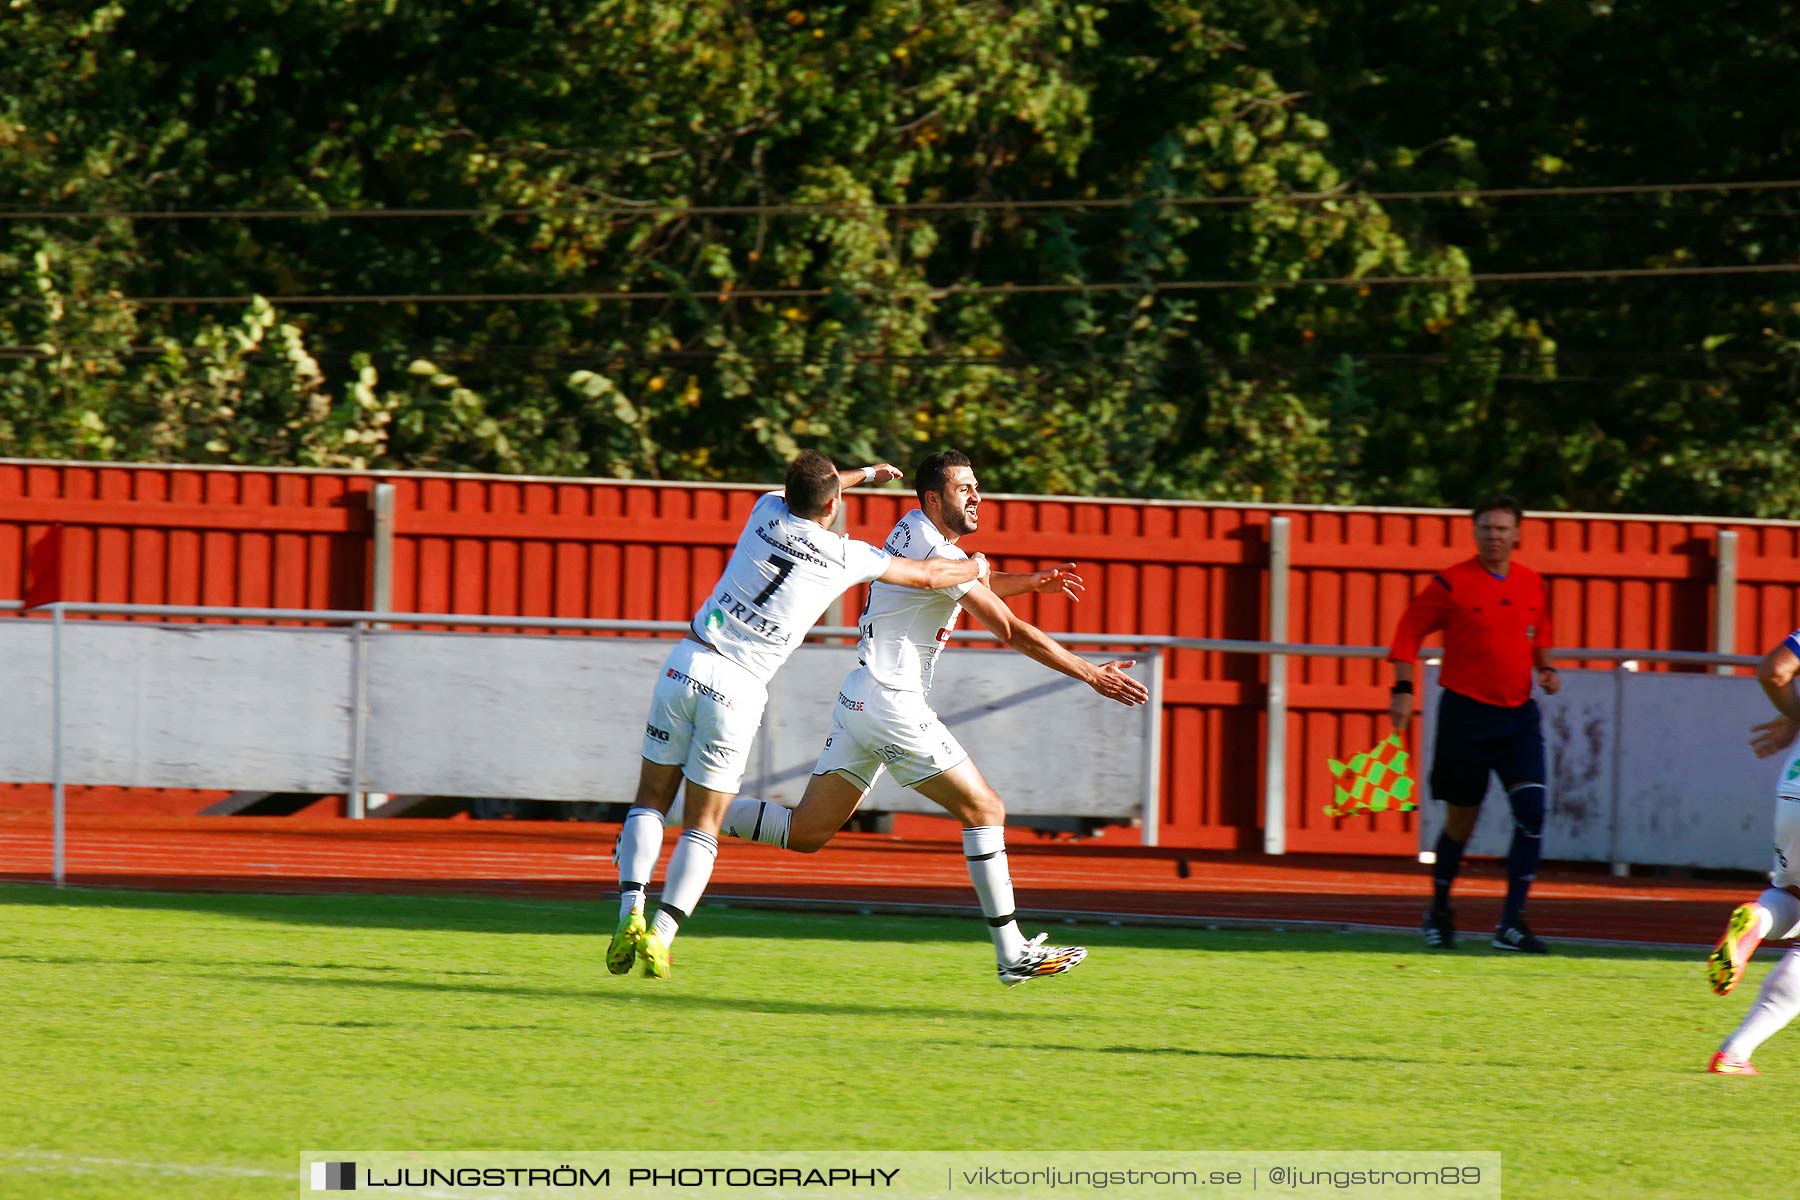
1528,804
1443,874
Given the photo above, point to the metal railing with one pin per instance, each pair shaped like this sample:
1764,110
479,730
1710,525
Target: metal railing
361,621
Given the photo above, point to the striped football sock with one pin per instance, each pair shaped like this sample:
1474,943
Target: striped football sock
636,851
689,868
985,848
755,820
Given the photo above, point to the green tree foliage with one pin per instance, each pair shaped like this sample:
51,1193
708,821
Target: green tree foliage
723,176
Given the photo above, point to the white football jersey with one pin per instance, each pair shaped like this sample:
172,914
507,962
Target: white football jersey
782,574
904,629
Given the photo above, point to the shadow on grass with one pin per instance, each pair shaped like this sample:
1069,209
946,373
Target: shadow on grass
571,918
660,998
1189,1052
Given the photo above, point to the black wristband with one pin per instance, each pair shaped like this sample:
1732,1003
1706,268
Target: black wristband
1403,688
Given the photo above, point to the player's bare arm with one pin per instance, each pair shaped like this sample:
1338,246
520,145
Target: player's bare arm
1776,675
1050,581
1109,678
859,476
934,573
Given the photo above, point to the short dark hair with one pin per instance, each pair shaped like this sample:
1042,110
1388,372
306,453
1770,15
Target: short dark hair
1499,502
812,481
935,470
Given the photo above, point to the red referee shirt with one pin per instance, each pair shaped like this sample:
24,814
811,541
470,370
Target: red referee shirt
1490,626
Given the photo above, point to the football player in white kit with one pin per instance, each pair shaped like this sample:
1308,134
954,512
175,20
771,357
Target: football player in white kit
883,722
708,702
1775,914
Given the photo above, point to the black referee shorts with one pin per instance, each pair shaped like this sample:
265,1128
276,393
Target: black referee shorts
1474,738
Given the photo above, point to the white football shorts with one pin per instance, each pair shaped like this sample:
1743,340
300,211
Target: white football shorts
704,714
1786,871
874,728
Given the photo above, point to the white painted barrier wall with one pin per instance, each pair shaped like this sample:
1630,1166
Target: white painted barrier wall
1645,767
509,716
1687,777
1048,744
179,705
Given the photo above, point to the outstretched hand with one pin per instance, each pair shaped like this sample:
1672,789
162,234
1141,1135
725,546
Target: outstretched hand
1060,578
882,472
1111,681
1772,737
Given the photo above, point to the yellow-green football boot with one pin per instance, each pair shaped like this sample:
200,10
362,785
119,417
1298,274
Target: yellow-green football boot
654,956
625,941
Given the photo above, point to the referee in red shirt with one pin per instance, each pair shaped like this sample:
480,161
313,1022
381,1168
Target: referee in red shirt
1495,616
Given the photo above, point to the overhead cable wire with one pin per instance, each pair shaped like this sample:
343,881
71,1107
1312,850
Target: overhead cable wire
1323,357
933,292
616,208
1324,360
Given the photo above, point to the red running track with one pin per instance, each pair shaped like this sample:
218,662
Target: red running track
874,871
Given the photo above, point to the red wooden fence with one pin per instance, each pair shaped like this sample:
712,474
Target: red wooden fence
605,548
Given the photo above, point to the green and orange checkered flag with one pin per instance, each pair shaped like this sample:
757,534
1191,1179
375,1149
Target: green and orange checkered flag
1373,781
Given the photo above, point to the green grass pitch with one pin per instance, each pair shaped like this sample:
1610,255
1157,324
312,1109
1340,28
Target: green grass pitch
194,1045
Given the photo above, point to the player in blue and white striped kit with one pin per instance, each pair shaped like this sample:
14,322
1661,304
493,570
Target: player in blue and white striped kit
1775,914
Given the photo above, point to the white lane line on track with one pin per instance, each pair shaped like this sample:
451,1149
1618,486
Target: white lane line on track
177,856
336,866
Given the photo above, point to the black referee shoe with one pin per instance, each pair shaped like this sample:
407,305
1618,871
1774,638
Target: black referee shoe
1516,936
1439,928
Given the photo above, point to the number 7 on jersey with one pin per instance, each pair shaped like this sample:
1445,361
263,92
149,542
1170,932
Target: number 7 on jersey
782,567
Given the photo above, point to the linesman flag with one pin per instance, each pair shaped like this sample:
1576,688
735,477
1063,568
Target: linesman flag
1373,781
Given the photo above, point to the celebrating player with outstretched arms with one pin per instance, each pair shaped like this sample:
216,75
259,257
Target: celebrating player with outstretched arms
708,702
883,722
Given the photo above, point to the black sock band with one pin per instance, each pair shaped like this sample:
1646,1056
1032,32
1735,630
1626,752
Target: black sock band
1444,872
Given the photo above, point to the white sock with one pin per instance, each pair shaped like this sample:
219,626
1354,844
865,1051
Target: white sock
1776,1004
1784,914
756,820
636,851
985,848
689,868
